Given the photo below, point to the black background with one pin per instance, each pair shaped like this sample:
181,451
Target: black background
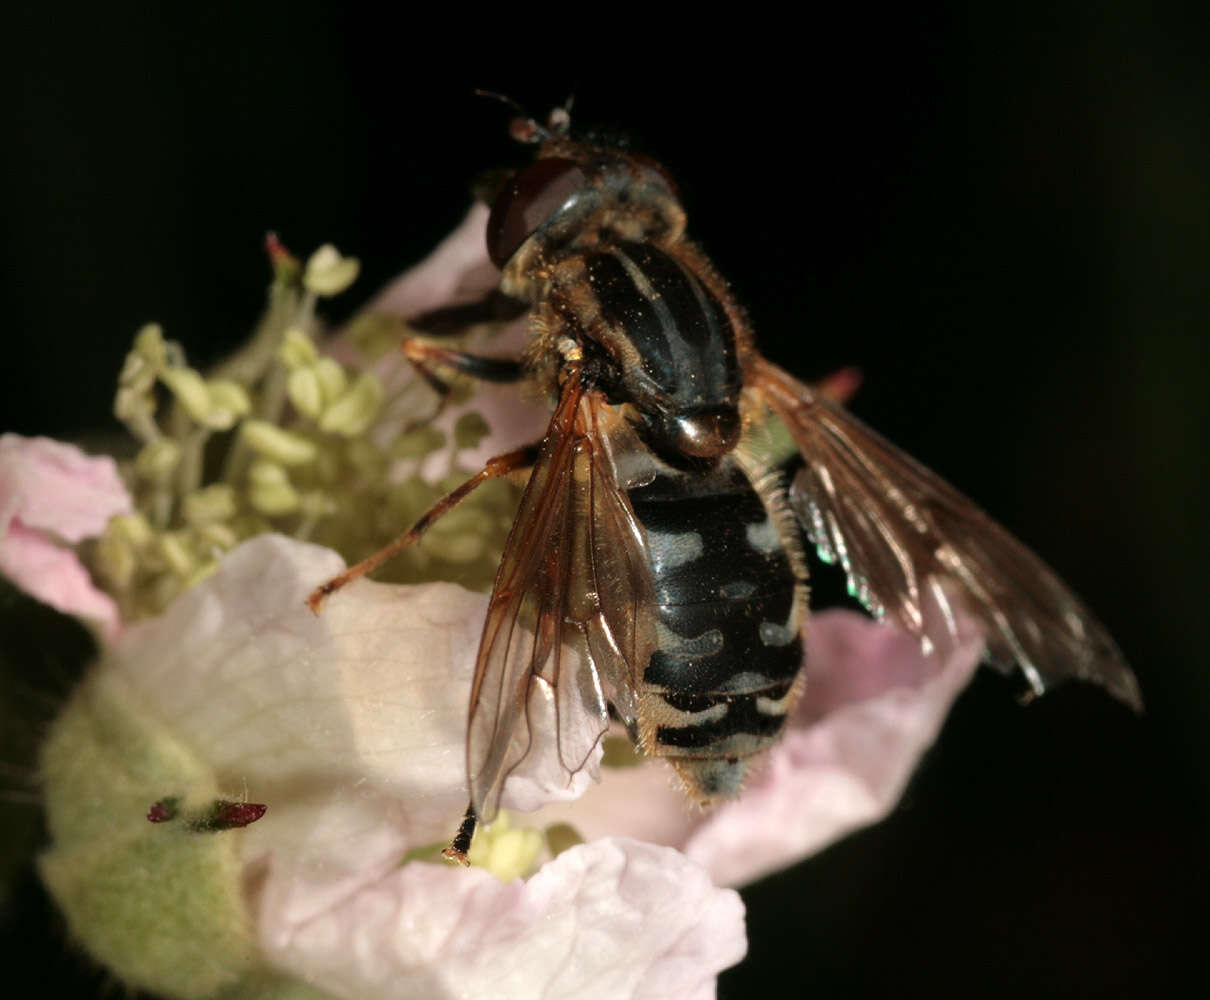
1003,219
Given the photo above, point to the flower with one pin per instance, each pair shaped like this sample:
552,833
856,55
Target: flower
242,796
348,727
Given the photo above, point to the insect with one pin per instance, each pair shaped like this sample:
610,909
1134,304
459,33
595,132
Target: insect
655,568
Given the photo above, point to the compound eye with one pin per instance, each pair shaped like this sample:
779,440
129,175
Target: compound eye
527,201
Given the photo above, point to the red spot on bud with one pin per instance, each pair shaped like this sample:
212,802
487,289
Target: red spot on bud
286,267
233,815
162,811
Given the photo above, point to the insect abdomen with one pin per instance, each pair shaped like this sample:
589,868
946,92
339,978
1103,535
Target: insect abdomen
729,613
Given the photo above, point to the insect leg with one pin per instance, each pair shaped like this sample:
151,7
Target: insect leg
462,839
426,357
501,465
494,307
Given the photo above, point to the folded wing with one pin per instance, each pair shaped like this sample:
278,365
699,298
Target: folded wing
912,548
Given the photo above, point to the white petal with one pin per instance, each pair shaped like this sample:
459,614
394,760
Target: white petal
610,919
349,726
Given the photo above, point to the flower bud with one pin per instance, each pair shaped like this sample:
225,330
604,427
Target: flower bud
297,349
354,411
270,490
161,907
173,548
158,460
328,273
305,392
190,391
149,345
228,402
214,503
333,379
275,444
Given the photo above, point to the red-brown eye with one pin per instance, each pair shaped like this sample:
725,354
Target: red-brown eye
528,200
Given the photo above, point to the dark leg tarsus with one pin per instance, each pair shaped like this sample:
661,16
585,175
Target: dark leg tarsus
494,307
426,357
461,843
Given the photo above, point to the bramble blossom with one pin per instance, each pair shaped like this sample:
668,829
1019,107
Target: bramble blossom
348,727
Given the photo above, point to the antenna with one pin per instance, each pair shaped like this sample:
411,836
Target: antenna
525,128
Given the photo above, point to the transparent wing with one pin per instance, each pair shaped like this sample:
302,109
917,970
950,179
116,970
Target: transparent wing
912,546
556,645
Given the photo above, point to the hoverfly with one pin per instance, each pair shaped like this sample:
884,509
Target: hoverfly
655,568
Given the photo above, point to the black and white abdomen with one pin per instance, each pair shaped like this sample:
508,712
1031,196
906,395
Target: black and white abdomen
731,594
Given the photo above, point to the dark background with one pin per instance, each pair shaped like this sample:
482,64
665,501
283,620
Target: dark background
1004,219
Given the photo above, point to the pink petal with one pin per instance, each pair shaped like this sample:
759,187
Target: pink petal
834,774
614,918
49,492
457,271
56,488
56,577
847,754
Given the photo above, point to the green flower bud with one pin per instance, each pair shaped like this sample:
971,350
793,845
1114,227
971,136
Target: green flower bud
173,548
217,404
133,529
160,906
214,503
305,392
149,345
133,405
297,350
158,460
115,559
333,379
217,537
273,443
138,373
354,411
228,401
328,273
190,390
270,490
